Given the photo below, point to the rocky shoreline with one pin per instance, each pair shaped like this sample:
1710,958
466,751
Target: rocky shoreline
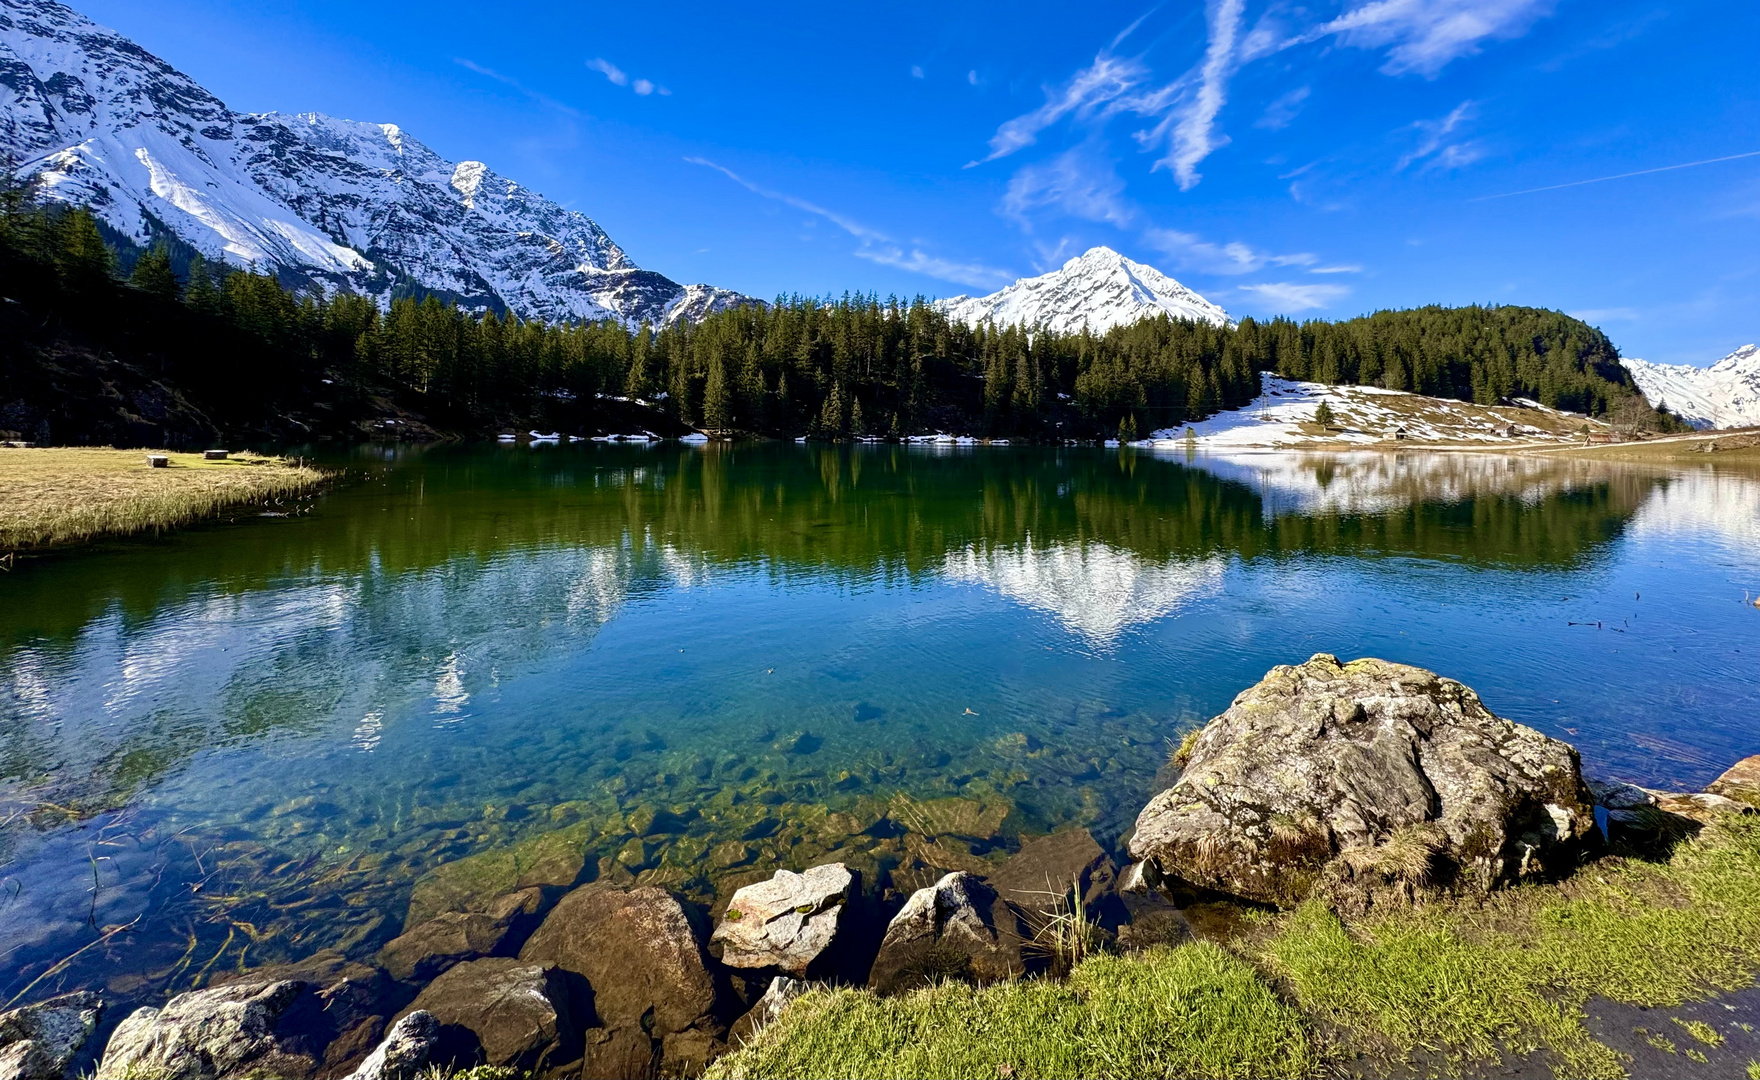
1362,785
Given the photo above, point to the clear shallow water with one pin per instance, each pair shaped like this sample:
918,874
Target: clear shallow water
252,738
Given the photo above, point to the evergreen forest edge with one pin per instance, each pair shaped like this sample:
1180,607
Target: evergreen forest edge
105,341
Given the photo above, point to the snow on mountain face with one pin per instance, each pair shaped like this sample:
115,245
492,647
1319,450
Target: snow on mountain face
1100,290
95,119
1726,394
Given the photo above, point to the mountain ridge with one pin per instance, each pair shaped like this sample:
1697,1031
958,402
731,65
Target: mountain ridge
1720,395
1097,290
92,118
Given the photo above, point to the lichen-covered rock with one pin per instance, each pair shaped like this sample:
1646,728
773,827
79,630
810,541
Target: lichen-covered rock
406,1051
1367,780
957,928
338,1017
788,922
426,950
37,1042
219,1032
503,1012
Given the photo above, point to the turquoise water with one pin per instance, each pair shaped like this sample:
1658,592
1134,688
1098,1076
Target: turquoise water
245,742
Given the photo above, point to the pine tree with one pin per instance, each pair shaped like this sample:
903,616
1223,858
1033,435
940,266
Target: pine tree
152,273
200,294
84,258
717,396
1323,416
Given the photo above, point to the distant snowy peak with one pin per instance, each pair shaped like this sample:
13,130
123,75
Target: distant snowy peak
1098,290
94,119
1724,395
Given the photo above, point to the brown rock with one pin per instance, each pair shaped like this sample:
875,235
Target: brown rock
1041,875
341,996
430,948
554,860
621,1054
637,950
956,928
500,1011
1740,782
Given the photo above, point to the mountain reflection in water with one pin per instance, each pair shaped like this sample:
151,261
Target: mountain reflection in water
466,647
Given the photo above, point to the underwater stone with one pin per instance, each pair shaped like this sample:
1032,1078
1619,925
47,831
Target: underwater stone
1042,874
473,883
421,953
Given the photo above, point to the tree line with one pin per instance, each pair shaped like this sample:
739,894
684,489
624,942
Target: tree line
242,343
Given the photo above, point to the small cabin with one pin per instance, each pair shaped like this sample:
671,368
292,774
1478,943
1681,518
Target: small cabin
1512,432
1400,433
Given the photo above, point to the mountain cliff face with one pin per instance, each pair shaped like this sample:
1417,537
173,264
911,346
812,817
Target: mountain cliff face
1726,394
93,118
1099,290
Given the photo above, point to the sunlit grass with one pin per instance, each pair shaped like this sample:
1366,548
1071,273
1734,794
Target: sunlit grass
51,496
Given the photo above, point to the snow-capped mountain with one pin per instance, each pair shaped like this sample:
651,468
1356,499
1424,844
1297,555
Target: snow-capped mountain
1100,290
96,119
1726,394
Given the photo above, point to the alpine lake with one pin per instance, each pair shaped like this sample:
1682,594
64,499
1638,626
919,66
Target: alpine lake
463,666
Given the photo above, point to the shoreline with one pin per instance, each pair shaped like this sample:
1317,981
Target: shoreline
53,498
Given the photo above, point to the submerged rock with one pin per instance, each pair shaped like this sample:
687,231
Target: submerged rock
501,1011
788,922
1050,871
1368,779
552,860
38,1042
421,953
957,928
406,1051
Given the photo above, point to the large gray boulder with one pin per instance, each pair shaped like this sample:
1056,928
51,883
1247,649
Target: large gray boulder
788,922
957,928
37,1042
652,994
219,1032
503,1012
1368,781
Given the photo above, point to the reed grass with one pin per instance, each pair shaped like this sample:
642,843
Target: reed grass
66,495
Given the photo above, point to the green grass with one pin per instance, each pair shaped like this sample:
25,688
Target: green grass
1435,989
1190,1011
54,496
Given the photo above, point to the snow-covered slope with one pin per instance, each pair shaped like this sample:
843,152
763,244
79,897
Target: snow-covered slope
1100,290
96,119
1726,394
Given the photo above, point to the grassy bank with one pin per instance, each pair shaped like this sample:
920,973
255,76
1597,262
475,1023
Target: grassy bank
1734,448
1453,987
53,496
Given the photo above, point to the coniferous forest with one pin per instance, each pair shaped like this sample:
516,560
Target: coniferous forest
101,341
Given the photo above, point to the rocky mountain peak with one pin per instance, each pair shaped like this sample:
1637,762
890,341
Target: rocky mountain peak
96,120
1098,290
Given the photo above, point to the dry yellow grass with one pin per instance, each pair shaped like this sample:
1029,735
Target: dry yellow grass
51,496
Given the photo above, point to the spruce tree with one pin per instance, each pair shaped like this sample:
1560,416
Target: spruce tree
152,273
85,260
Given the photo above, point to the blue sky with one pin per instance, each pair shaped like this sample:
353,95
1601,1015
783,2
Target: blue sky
1317,159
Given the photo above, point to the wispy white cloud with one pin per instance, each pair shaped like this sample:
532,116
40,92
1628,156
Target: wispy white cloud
611,71
542,99
1194,252
1079,182
1282,111
1438,148
1194,135
876,246
1104,81
616,76
1289,296
1424,36
1342,268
